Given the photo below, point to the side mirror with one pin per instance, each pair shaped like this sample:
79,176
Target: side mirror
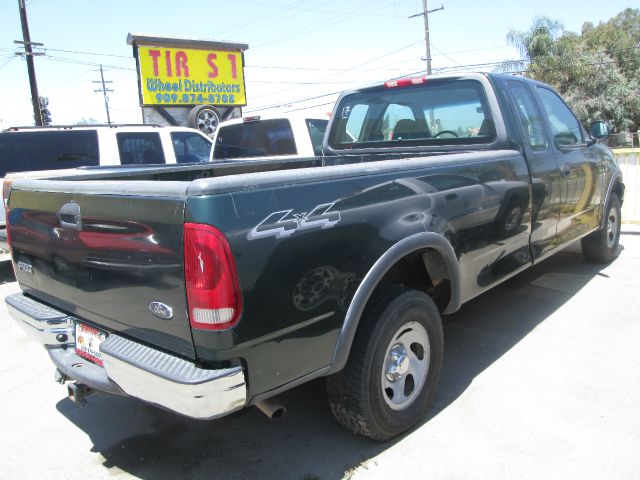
599,130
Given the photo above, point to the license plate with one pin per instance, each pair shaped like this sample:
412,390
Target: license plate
88,340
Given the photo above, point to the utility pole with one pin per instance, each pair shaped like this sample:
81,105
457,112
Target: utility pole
104,91
426,13
28,53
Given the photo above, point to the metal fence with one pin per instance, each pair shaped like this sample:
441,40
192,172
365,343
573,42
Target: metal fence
629,162
624,140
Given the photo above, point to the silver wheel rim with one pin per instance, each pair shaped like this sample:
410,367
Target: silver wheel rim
405,367
207,122
612,227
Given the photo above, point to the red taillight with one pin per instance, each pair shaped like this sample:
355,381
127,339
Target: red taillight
405,82
6,188
213,293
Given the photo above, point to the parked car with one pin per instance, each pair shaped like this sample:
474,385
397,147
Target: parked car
28,149
236,281
269,136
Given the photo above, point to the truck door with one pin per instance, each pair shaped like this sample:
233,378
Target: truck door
544,169
579,162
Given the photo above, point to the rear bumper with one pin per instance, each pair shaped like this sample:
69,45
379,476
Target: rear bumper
131,368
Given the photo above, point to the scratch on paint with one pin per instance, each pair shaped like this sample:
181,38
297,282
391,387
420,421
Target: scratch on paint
233,201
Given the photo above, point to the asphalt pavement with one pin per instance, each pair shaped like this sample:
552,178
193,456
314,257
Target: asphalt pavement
541,380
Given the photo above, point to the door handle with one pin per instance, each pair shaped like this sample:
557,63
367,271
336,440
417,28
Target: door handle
565,170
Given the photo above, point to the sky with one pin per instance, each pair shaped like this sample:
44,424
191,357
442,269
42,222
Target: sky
301,53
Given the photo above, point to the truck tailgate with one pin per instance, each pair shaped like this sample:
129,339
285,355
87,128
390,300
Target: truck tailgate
114,261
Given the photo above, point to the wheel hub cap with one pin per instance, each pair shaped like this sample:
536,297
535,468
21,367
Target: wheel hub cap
612,227
405,366
398,363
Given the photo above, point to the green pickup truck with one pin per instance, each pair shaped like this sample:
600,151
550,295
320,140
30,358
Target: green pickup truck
204,289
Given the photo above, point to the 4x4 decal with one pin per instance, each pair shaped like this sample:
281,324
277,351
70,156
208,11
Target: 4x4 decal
284,223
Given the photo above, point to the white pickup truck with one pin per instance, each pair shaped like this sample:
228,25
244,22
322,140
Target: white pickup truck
29,149
288,136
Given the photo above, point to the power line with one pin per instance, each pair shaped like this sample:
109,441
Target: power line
82,62
305,29
88,53
7,62
352,68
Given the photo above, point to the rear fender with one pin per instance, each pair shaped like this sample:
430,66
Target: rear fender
615,186
407,246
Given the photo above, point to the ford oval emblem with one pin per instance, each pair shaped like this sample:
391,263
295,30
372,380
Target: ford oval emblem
161,310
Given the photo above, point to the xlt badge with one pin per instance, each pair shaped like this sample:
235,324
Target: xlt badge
161,310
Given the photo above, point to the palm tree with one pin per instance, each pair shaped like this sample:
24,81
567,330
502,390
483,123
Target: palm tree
535,43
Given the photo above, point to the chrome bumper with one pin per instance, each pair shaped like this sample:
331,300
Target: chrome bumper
131,368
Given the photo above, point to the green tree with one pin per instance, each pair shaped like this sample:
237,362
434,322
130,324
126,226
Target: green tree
594,77
620,37
538,41
87,121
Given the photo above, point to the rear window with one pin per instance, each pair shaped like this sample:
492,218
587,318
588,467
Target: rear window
33,151
434,113
260,138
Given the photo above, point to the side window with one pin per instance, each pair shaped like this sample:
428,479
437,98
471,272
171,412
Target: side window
190,147
316,133
565,128
140,148
354,116
529,116
27,151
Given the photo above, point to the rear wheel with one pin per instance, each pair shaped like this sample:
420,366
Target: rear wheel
395,361
602,246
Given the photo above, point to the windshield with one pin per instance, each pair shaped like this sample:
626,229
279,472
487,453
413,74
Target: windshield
32,151
438,112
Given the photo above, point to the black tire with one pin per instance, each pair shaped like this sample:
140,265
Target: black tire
361,395
601,246
205,118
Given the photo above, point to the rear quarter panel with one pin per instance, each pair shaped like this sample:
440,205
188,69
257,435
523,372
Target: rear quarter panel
303,248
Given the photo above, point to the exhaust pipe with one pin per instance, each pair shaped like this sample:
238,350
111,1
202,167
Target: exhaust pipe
271,409
78,392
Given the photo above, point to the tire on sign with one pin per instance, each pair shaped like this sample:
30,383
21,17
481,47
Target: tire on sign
205,118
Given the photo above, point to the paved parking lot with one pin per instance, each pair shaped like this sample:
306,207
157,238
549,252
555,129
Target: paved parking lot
541,380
